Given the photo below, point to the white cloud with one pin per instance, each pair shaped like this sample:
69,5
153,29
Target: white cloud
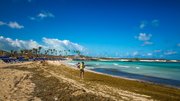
11,24
143,24
61,44
170,52
15,25
152,23
135,53
10,44
155,23
2,23
42,15
147,43
45,15
145,38
149,54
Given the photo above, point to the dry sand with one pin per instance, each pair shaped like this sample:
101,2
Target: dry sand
104,90
53,81
2,64
15,84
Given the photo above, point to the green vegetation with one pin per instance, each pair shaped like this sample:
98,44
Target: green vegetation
40,52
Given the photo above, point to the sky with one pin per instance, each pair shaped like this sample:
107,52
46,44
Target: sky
100,28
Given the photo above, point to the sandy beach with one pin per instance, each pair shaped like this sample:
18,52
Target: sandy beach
89,50
56,81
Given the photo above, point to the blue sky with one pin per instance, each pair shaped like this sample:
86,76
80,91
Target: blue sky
111,28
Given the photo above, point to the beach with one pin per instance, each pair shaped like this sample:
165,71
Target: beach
58,81
166,73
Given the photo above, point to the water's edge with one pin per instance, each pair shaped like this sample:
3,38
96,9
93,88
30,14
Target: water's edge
115,69
168,82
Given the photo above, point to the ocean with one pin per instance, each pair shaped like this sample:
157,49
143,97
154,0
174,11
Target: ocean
154,72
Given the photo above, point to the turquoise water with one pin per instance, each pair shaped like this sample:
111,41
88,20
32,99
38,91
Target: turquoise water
169,71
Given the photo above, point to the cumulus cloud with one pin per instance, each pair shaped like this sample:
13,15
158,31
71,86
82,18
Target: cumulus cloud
61,44
11,24
10,44
145,38
42,15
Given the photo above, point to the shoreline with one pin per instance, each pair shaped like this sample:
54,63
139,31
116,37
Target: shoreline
139,80
53,80
89,70
148,79
130,60
65,62
142,83
143,78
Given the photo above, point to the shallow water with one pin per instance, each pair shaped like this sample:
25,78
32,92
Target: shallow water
157,72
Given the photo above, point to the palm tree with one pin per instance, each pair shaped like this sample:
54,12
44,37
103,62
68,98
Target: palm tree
69,51
35,51
78,52
30,51
45,52
11,52
60,52
51,51
15,53
66,52
54,51
39,49
21,51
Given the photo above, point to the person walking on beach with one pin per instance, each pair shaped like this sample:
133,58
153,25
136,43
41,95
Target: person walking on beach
82,66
